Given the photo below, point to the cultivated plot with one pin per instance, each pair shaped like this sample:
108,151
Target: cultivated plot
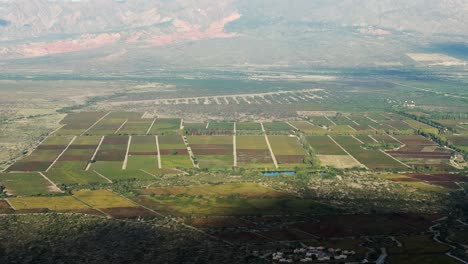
55,203
136,127
215,152
287,150
330,154
77,123
371,158
174,152
43,156
26,184
111,153
165,126
253,152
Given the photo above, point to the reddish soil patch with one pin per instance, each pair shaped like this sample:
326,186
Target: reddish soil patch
293,159
415,140
110,155
30,166
142,153
32,211
217,222
420,155
438,177
82,147
67,157
173,151
438,166
404,180
4,205
129,212
115,141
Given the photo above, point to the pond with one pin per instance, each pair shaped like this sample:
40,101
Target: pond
278,173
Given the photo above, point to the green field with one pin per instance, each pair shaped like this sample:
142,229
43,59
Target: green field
171,142
106,126
73,173
221,126
146,162
165,126
25,184
215,161
251,142
323,145
195,126
276,126
222,140
143,144
307,127
117,174
174,152
248,126
176,161
285,145
136,127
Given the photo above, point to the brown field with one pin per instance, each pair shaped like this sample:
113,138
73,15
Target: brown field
4,204
290,159
254,155
143,153
30,166
115,140
215,222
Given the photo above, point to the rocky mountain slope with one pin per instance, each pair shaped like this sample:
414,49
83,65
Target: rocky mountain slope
37,28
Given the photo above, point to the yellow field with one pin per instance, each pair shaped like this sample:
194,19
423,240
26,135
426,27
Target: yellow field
57,203
103,199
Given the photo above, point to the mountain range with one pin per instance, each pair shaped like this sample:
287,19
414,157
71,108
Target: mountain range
179,32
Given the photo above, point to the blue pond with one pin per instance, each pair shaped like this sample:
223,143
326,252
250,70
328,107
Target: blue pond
278,173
